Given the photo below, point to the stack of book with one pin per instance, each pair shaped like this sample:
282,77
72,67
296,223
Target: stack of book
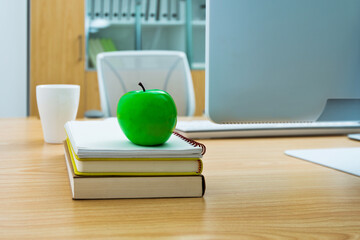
102,163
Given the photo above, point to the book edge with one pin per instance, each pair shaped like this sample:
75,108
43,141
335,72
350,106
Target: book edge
70,171
76,172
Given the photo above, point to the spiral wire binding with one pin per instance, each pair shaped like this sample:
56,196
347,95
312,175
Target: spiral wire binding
192,142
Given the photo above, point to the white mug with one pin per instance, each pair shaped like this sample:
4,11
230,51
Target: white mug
57,104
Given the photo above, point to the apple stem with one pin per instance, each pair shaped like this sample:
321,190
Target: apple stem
142,86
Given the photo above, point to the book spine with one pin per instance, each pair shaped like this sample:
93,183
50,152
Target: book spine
203,185
200,169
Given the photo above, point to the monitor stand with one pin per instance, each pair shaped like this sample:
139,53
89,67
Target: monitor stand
341,110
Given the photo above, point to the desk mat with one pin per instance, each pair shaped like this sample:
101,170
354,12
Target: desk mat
342,159
354,136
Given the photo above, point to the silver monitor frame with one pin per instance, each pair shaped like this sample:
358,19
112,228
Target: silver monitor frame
282,60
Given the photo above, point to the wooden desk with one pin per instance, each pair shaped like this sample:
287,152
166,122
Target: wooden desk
253,191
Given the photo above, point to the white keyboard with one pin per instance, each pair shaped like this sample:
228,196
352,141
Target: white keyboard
206,129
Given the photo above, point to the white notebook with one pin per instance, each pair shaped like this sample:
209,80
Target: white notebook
105,139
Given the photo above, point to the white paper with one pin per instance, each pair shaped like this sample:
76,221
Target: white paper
342,159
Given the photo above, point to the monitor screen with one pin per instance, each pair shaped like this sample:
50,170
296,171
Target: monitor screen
282,60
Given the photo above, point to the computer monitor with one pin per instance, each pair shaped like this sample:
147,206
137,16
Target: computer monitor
282,60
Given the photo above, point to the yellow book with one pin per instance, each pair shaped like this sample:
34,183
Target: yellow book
134,166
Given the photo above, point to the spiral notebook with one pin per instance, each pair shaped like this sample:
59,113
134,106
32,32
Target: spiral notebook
105,139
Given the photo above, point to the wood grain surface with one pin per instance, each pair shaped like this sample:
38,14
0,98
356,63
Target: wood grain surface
254,191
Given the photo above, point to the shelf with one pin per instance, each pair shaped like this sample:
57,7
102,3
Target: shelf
112,23
144,24
198,23
198,65
162,24
146,27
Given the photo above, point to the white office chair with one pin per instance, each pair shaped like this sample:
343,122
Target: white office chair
120,72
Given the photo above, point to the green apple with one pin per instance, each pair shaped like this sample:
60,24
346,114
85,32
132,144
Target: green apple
147,117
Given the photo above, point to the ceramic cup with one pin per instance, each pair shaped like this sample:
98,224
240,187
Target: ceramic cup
57,104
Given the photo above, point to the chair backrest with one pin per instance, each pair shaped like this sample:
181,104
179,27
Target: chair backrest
120,72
